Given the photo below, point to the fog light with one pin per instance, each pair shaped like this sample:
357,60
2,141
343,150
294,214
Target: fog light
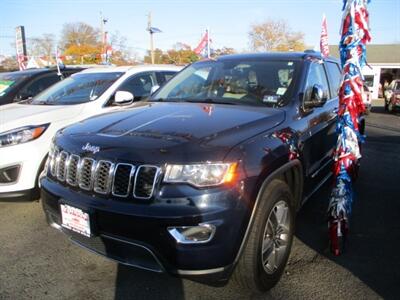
203,233
9,174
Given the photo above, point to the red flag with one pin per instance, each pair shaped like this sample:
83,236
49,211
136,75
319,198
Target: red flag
323,44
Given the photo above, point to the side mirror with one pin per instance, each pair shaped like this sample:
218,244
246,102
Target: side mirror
317,98
123,98
154,88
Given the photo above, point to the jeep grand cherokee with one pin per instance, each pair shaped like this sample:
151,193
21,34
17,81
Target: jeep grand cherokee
204,179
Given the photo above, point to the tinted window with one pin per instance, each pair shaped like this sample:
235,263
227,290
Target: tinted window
139,85
163,77
335,77
316,75
38,85
78,88
252,82
369,80
8,80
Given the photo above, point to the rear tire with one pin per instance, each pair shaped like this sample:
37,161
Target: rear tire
268,246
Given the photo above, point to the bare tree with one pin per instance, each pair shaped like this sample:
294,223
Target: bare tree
43,46
275,35
121,54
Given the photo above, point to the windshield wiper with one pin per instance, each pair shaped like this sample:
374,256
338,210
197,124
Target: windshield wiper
210,101
41,102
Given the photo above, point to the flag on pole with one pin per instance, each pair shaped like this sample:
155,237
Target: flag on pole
204,46
59,63
323,44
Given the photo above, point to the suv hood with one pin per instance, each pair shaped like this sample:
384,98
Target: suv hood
173,132
17,115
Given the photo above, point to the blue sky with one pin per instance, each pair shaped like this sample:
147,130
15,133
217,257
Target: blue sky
185,21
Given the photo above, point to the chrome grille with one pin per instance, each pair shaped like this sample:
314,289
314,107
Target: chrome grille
61,165
103,177
123,174
85,173
145,181
53,162
72,170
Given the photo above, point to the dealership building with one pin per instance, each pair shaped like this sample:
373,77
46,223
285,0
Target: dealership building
383,65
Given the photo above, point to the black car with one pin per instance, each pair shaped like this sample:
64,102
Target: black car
22,85
204,179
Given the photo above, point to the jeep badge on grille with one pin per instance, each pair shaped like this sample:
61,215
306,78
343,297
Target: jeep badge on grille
90,148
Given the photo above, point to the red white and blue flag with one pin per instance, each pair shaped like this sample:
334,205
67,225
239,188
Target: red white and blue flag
203,48
323,44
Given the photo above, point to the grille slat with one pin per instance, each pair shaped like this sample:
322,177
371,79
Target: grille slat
72,170
145,180
103,177
85,173
123,174
61,165
53,162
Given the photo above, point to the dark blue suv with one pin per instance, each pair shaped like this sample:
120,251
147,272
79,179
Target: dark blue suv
203,180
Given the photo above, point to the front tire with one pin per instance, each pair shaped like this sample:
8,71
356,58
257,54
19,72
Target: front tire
268,247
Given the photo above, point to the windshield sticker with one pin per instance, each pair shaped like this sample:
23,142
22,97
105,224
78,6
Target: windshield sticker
281,91
271,99
4,85
290,63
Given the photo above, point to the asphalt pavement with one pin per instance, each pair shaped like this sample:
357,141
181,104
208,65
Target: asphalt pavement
38,262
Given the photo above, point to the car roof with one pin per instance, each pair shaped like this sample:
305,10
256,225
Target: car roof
33,72
133,69
289,55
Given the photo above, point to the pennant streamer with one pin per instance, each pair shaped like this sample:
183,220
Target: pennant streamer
354,36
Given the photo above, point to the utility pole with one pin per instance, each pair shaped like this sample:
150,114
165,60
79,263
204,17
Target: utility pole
103,22
102,32
151,37
151,30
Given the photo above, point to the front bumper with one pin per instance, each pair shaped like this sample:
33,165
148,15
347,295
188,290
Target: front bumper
29,157
136,233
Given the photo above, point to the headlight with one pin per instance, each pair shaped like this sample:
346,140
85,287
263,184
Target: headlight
201,175
21,135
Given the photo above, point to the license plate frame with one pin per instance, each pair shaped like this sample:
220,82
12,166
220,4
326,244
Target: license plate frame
75,219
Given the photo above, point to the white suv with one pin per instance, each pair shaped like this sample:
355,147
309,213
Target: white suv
26,129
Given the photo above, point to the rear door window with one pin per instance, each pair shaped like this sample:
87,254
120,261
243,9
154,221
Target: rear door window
164,76
334,76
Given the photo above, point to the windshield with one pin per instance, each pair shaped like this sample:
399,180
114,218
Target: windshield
8,80
76,89
253,82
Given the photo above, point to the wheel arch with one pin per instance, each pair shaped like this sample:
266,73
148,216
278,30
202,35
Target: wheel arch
292,174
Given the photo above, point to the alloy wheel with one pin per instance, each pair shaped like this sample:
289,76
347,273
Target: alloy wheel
276,237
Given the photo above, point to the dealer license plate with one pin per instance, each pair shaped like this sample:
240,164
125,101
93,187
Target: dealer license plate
75,219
